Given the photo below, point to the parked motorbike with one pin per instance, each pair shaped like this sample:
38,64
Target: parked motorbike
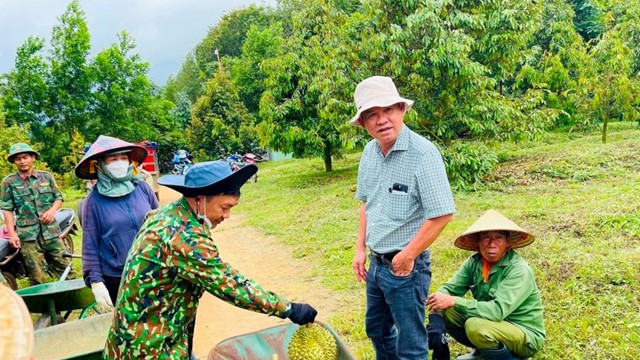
12,262
258,155
182,167
237,162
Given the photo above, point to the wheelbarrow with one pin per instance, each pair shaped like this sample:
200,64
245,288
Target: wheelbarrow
50,299
264,344
82,339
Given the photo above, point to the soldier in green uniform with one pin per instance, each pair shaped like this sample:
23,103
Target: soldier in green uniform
174,260
33,197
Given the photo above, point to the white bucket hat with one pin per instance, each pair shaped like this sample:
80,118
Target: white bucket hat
493,221
376,91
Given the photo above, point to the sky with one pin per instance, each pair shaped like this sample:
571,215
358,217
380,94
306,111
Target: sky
164,30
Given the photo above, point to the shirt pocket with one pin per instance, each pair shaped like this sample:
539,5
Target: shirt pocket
119,246
21,197
399,206
46,194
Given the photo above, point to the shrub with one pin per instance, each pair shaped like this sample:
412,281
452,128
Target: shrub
467,164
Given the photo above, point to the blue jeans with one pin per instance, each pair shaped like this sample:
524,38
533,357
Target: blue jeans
395,318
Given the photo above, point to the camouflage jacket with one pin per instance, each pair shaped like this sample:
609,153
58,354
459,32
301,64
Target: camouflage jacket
172,261
29,199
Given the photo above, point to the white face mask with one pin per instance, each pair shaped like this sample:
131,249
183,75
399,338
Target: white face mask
118,168
203,218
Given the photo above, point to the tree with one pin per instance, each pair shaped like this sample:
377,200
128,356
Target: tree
70,82
181,113
69,85
122,103
614,91
25,89
589,18
9,135
188,81
219,121
307,87
457,59
555,65
229,35
247,72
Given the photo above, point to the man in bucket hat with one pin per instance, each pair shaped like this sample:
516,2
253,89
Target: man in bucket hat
174,260
33,196
504,320
406,202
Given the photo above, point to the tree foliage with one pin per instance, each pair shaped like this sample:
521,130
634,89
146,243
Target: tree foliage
478,70
307,84
247,71
9,134
25,87
589,18
69,82
220,123
228,36
66,99
123,101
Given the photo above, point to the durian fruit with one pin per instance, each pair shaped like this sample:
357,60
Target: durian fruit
312,342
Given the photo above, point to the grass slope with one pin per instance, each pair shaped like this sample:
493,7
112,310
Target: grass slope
578,196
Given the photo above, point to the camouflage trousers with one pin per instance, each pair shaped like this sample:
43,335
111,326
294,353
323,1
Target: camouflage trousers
45,254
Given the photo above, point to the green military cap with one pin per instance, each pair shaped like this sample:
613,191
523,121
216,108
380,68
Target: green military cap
20,148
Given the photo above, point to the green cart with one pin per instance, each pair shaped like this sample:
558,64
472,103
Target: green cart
82,339
52,298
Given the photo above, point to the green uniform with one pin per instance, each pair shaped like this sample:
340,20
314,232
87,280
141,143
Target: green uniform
172,262
29,198
510,295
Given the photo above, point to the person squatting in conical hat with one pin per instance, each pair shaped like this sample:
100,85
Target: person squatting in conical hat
174,260
113,213
30,199
504,320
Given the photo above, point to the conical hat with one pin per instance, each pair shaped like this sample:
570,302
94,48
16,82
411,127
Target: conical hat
107,144
494,221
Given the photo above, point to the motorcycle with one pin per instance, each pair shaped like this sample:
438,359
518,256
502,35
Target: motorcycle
237,162
182,167
258,155
12,262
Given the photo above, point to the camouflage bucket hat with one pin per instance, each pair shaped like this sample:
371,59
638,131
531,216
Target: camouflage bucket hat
20,148
107,145
493,221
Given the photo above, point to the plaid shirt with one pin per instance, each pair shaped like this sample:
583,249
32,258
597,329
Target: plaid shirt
421,192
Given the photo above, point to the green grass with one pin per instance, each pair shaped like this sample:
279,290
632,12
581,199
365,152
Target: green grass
578,196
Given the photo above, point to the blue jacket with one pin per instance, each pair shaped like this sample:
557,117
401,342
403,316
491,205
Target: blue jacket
109,226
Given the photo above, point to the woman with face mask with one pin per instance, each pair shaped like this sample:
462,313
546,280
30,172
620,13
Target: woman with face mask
113,213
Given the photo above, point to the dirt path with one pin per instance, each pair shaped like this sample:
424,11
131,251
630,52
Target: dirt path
261,258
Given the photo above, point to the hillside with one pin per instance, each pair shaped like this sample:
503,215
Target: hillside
578,196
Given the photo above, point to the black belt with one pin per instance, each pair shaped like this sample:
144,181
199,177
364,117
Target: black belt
383,258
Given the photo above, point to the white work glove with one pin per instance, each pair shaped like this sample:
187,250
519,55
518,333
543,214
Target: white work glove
101,294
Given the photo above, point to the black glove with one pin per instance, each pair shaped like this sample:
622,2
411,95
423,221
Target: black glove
437,340
302,314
